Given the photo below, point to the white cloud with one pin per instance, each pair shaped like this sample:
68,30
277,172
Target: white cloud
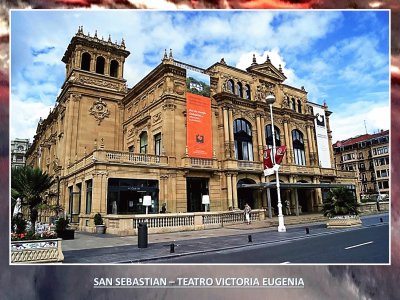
348,121
202,38
24,117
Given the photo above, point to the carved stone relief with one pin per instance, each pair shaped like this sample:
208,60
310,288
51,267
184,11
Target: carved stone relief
263,90
156,118
99,110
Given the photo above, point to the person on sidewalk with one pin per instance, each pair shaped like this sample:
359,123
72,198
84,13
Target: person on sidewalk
287,204
247,211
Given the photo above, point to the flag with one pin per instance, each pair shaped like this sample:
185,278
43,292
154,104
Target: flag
267,159
269,166
280,152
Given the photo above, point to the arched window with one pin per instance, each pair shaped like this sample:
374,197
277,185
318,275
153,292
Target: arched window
298,148
293,104
247,89
299,106
114,68
231,86
100,62
240,90
268,136
85,61
143,142
243,140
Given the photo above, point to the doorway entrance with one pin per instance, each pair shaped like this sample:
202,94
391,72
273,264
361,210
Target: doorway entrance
246,195
196,187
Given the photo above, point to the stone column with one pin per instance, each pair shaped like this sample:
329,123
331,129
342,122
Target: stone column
234,190
311,146
107,66
92,60
226,133
77,63
288,141
229,189
263,133
259,137
121,68
231,137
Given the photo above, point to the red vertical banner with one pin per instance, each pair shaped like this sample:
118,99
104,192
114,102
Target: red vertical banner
267,159
280,152
199,129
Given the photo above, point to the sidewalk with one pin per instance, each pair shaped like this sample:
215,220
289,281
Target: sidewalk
88,248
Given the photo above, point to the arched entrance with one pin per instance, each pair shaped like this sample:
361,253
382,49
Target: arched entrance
246,195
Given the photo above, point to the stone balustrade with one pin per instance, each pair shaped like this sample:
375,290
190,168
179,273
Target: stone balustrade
37,251
173,222
250,165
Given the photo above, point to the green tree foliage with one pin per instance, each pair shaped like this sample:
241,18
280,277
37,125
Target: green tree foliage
30,184
340,201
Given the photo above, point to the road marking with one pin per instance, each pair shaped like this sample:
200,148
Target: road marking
285,263
359,245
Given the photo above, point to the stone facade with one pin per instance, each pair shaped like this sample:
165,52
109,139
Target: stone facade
19,147
108,146
368,156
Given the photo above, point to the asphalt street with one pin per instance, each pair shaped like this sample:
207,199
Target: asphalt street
232,245
363,246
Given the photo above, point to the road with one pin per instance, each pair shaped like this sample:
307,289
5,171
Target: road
358,246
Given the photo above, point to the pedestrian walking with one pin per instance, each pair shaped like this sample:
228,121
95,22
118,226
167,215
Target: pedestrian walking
247,211
287,206
378,199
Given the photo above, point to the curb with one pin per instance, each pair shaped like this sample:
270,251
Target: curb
246,245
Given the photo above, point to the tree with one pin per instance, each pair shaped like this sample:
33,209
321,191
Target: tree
340,201
31,184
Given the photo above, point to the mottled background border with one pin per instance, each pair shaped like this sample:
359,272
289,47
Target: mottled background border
75,282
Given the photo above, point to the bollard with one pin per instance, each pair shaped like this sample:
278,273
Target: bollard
307,230
250,238
172,248
381,220
142,235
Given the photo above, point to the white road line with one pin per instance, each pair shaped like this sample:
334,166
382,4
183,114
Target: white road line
359,245
285,263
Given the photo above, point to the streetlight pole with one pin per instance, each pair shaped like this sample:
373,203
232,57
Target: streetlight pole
270,99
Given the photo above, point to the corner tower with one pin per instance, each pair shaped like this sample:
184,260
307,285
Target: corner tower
95,55
91,111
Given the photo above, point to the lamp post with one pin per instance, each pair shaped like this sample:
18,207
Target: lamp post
206,201
270,99
147,203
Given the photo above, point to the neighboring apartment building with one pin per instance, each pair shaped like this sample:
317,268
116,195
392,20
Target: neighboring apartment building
109,146
368,156
19,147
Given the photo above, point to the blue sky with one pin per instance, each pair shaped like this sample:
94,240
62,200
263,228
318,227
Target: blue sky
341,57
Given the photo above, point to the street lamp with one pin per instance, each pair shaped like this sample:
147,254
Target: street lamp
147,203
206,201
270,99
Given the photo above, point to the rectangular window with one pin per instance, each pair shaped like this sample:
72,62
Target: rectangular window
130,148
70,200
157,144
386,184
89,185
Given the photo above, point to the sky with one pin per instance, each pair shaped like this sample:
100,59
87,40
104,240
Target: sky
340,57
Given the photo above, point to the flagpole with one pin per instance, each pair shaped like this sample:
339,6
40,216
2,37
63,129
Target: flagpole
281,225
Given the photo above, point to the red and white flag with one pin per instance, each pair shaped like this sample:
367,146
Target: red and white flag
280,152
269,166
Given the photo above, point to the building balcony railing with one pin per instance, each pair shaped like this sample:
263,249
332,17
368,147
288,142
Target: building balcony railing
199,163
250,165
98,156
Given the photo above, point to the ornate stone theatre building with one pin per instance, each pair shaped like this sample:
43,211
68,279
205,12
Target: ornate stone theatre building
108,146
